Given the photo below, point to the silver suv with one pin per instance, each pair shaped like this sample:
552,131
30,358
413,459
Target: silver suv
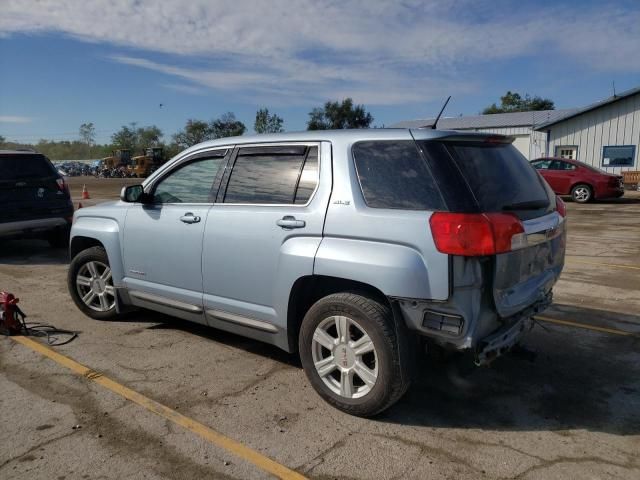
346,246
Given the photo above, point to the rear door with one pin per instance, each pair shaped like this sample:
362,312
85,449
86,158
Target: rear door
262,234
499,179
30,188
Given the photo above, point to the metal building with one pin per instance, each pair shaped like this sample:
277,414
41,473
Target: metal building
521,125
605,134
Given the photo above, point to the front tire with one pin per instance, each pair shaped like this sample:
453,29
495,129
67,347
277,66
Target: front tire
90,284
354,353
582,193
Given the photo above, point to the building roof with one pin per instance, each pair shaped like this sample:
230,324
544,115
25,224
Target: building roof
494,120
593,106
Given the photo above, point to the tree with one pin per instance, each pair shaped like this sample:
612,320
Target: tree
337,115
126,137
148,137
514,102
267,123
88,133
195,131
227,126
137,138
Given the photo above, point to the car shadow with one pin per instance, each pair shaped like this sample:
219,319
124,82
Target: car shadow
166,322
31,252
578,380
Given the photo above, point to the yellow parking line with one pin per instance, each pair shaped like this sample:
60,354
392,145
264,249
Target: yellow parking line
631,267
218,439
569,323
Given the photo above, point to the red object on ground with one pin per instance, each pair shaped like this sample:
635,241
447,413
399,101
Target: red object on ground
9,310
79,205
85,192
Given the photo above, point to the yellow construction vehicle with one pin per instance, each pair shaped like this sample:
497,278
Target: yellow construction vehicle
118,158
144,165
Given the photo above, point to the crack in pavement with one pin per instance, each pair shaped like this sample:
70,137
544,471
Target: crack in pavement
36,447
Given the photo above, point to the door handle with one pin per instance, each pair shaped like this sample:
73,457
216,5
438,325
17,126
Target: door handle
289,222
189,218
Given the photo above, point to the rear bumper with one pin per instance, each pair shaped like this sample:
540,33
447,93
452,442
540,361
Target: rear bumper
504,338
614,192
32,227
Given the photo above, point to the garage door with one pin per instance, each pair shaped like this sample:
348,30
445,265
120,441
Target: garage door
522,144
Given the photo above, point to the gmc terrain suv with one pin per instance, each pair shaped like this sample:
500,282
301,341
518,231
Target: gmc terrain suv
35,198
347,246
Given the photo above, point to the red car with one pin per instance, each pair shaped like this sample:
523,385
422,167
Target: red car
583,182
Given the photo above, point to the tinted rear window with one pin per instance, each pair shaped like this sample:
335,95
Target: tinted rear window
273,175
18,167
392,174
498,176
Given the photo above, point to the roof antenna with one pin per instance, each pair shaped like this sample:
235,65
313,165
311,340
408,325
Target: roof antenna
614,88
440,114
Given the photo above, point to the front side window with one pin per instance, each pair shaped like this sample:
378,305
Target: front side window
622,156
279,175
541,165
191,183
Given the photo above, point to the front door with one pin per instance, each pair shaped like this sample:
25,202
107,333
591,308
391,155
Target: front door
263,234
163,238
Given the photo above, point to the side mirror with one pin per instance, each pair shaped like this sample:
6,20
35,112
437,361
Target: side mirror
132,194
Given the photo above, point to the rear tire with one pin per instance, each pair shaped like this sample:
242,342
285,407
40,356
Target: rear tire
354,353
582,193
90,284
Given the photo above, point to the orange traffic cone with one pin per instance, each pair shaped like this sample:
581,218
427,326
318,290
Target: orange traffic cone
85,192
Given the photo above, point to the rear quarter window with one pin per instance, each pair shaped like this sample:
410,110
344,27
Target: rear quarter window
392,174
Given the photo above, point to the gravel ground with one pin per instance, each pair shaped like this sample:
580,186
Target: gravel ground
573,412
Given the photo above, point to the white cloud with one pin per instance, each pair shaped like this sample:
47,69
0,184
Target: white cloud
378,52
14,119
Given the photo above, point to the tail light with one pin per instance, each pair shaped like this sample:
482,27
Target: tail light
476,234
561,207
62,186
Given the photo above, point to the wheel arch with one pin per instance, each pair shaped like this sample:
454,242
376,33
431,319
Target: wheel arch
586,184
80,243
309,289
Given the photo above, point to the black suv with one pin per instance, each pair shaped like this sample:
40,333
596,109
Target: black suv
34,198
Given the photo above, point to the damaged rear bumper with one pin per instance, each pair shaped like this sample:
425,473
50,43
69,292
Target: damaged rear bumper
503,339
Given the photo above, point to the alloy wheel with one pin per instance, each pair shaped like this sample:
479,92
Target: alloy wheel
581,194
345,357
95,286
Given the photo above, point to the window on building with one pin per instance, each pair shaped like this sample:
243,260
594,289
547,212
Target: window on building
570,152
618,156
273,175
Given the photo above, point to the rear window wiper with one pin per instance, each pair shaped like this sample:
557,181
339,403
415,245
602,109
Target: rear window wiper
530,205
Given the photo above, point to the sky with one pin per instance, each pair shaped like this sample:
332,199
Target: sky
111,62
